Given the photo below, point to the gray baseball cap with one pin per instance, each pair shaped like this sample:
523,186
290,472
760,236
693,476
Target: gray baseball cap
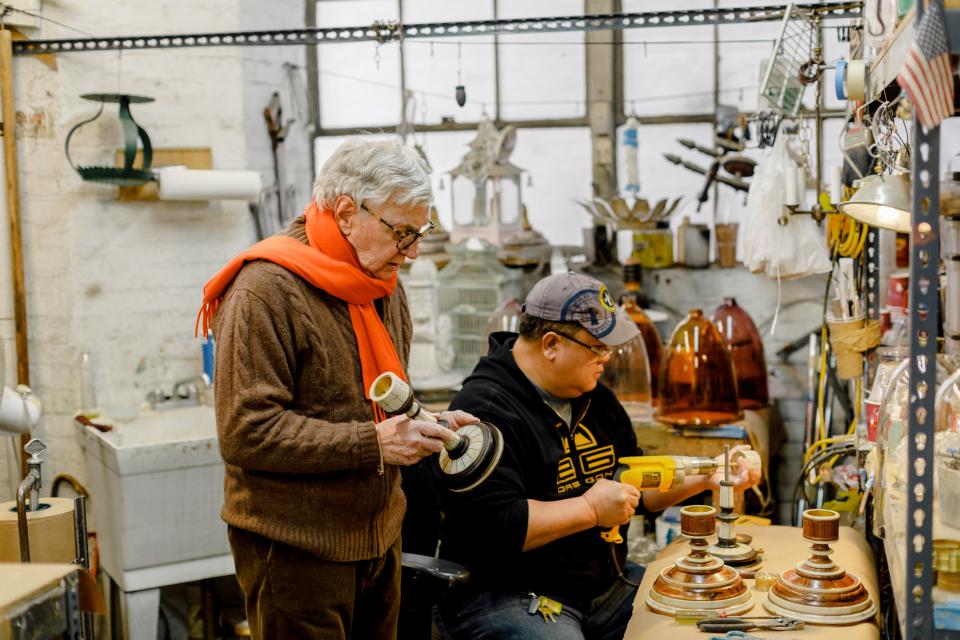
575,297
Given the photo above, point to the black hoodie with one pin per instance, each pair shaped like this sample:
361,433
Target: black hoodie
543,459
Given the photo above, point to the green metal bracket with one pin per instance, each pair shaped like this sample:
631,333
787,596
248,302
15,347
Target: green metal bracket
127,175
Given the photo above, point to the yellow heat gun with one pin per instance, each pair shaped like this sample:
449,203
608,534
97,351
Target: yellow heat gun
657,472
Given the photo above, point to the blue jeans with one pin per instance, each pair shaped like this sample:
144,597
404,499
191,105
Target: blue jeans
503,615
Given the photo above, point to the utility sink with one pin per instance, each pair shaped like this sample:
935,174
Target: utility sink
156,485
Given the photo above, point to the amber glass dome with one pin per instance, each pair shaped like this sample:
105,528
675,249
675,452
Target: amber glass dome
505,318
746,351
627,373
697,382
653,346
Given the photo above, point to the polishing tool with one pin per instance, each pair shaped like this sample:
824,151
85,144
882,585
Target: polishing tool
467,459
668,472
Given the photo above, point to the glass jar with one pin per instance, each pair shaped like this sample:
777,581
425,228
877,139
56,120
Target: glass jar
890,479
947,450
889,359
698,386
746,350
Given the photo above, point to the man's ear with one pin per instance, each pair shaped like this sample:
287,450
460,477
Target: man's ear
549,346
345,211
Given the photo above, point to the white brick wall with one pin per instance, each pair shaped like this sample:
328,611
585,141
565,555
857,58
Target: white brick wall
123,280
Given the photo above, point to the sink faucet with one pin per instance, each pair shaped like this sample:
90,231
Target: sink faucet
185,393
28,494
192,387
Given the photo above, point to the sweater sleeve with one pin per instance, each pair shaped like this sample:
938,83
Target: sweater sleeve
255,382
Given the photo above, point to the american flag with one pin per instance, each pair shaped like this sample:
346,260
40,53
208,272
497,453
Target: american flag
927,76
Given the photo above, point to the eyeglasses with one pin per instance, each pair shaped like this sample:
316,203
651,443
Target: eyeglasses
405,239
599,351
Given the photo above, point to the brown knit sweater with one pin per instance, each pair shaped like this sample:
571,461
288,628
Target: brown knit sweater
296,434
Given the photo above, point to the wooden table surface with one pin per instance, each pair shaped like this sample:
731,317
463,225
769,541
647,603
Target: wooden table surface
783,548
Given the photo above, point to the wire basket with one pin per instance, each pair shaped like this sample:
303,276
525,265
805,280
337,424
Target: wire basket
783,85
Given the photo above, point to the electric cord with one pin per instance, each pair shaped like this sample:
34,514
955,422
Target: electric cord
800,488
848,446
616,565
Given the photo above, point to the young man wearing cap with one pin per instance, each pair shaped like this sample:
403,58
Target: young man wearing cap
530,534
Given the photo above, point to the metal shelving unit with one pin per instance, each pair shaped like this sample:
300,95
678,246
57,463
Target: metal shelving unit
912,563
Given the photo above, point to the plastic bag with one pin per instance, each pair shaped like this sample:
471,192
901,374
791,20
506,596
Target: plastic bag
784,251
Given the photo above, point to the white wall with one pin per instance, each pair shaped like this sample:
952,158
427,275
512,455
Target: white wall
123,281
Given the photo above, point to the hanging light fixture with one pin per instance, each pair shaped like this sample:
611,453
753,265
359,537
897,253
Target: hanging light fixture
882,201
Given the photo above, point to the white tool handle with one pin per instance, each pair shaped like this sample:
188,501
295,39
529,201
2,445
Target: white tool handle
395,396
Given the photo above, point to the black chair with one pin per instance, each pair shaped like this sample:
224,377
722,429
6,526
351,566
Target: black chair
426,581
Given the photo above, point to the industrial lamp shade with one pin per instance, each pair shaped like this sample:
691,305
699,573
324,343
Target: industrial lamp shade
881,201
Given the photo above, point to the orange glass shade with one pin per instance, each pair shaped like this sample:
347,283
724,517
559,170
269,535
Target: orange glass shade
651,337
627,373
698,386
746,351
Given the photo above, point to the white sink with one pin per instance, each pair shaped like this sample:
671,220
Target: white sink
156,486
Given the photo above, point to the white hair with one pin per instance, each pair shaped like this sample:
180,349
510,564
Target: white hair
376,170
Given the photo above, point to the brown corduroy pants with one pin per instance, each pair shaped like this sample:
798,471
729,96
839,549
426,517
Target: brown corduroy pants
291,594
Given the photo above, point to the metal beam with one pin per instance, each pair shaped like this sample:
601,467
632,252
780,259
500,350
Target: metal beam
313,81
547,123
602,81
390,31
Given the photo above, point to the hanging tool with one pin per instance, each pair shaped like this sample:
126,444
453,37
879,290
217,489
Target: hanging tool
277,129
468,459
742,624
740,185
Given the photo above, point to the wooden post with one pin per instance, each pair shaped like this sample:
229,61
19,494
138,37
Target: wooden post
9,117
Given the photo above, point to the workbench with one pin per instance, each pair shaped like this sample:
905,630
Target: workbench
39,600
783,548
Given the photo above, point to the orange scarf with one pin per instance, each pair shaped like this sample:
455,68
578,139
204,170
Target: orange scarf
328,263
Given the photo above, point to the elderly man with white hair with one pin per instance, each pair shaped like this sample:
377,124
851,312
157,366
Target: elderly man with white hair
304,322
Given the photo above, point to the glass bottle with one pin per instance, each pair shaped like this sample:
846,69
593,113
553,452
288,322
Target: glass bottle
746,350
627,373
698,386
